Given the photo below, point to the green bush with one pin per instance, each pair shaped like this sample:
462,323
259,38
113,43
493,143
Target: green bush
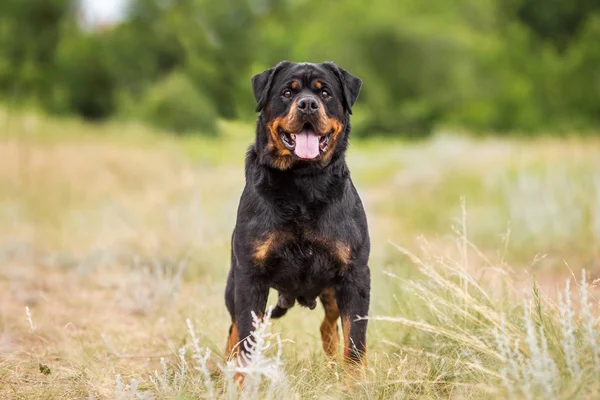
85,78
502,66
176,105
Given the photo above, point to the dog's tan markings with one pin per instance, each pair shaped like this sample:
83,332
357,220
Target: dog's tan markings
295,85
232,341
334,126
325,125
271,243
355,368
346,332
322,123
239,377
262,249
329,327
341,251
283,163
274,140
318,84
282,156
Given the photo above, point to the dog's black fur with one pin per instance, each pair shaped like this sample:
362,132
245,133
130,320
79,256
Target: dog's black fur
301,227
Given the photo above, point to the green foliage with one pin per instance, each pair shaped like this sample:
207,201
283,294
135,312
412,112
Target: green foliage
29,37
175,105
86,76
555,21
480,65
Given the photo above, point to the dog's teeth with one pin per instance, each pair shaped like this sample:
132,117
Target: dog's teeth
293,136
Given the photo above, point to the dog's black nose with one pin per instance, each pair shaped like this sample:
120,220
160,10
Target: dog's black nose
308,105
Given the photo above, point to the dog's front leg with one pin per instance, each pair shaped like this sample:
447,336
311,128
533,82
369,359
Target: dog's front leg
353,301
251,293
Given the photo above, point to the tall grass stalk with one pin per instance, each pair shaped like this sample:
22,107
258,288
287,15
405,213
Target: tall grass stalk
537,349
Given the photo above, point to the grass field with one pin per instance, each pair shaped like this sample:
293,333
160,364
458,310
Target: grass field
111,237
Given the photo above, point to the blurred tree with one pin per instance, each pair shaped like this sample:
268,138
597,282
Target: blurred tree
482,65
175,105
87,76
557,21
29,36
582,77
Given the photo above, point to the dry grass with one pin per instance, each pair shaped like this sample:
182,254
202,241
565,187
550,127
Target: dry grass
112,237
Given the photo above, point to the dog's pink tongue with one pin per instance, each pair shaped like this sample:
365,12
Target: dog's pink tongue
307,144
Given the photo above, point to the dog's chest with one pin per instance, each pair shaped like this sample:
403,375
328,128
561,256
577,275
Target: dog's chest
303,265
302,250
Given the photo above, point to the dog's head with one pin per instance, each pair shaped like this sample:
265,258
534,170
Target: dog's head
305,111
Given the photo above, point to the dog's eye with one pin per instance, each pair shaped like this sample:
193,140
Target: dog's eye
324,94
287,93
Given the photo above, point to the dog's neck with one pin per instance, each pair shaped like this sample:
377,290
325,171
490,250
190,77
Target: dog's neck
298,185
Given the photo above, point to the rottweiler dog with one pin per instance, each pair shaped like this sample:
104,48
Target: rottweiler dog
301,227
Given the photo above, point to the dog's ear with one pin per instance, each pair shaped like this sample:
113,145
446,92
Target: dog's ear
261,84
350,85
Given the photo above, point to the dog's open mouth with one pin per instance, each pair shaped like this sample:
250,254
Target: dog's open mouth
306,144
